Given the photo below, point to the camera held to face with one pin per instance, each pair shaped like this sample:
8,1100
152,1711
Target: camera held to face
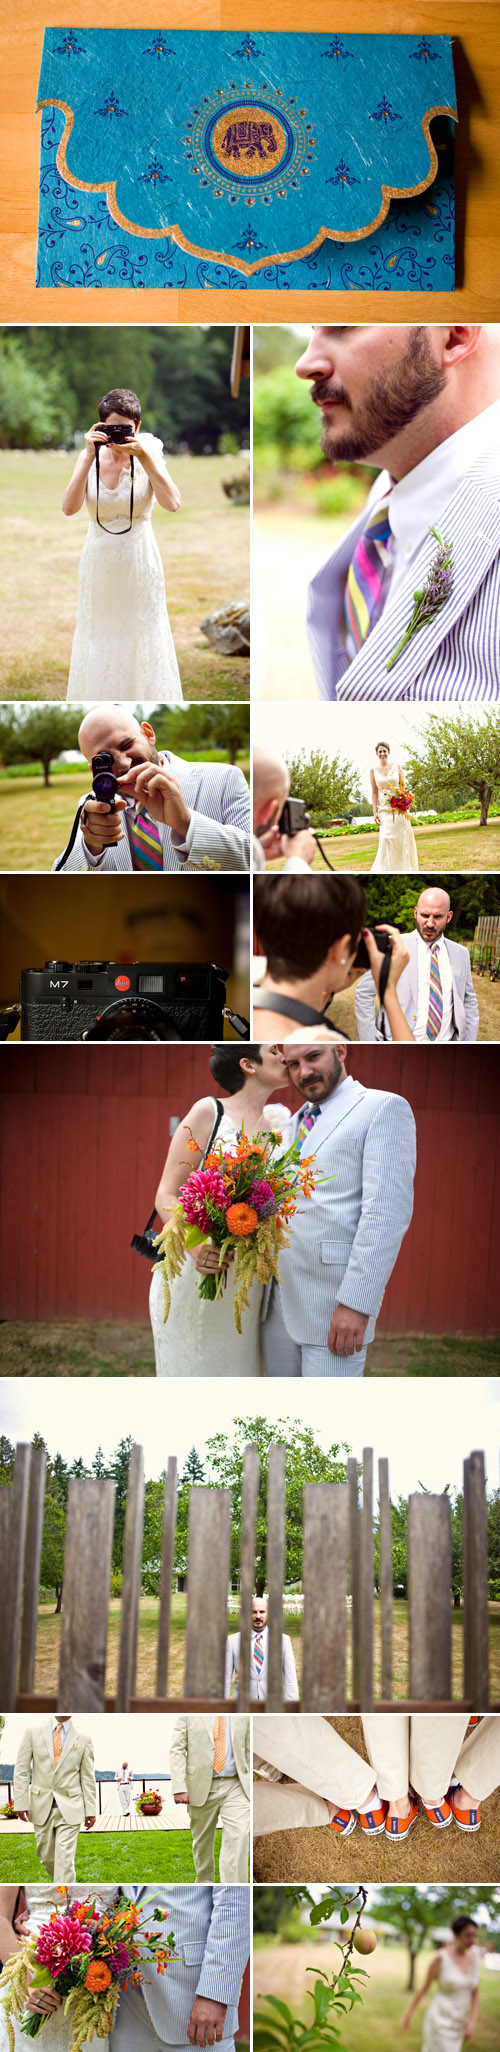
117,431
293,817
117,1001
104,783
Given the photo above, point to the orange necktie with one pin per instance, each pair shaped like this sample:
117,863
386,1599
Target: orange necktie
57,1744
219,1744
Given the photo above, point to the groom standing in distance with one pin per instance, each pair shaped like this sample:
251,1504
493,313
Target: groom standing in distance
345,1240
63,1791
423,404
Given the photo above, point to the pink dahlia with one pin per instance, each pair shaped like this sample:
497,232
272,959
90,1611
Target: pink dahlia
203,1185
60,1941
119,1961
262,1198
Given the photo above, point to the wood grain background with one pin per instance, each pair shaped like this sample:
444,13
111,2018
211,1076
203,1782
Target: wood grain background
475,26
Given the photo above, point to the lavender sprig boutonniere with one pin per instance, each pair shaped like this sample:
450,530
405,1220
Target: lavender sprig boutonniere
432,595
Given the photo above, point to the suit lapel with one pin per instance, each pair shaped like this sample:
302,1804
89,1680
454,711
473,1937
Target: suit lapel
472,521
344,1101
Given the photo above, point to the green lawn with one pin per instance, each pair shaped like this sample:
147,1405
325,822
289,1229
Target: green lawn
35,823
459,847
113,1856
204,549
488,998
77,1348
373,2027
49,1629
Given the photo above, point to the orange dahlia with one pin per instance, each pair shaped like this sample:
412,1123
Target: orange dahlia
241,1219
97,1977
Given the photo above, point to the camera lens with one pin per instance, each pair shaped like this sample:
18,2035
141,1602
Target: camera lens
134,1019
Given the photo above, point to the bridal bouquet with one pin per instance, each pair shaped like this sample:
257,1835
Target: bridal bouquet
400,799
87,1956
240,1203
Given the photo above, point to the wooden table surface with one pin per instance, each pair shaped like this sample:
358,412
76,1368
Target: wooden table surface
475,26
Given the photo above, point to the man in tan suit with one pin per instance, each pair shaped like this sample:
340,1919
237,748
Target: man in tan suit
210,1769
63,1791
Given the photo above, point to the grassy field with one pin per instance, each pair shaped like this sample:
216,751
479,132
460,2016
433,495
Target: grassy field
144,1856
488,998
281,1970
105,1349
287,549
204,550
49,1632
35,823
450,847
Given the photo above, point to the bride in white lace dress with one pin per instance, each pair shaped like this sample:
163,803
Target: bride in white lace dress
122,646
200,1338
397,848
453,1977
41,1900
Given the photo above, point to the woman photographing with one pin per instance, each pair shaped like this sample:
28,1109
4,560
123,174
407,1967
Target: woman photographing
123,641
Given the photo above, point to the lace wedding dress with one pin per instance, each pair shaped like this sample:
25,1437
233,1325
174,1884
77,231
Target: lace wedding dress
200,1338
397,848
41,1901
122,646
449,2007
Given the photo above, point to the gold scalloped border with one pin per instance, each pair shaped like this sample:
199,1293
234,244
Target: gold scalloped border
220,256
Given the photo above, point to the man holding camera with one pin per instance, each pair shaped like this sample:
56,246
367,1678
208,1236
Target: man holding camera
166,814
273,833
435,989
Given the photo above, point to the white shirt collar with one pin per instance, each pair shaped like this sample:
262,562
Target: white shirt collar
418,499
63,1721
427,945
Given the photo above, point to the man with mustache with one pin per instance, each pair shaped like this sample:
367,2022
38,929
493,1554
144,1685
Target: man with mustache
168,814
423,405
435,991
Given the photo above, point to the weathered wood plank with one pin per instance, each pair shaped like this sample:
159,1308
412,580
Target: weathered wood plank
275,1573
87,1569
367,1571
207,1591
167,1563
247,1569
385,1575
429,1596
14,1518
326,1518
355,1560
475,1557
34,1530
131,1580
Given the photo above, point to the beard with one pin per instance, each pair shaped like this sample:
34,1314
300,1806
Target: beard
394,401
328,1082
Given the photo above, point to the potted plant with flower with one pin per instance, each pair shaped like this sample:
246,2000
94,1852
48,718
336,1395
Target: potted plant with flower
8,1812
150,1803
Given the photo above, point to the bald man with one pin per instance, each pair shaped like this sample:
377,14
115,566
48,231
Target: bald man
435,991
271,785
422,403
169,814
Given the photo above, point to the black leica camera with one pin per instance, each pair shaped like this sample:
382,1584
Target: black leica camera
384,944
117,432
123,1001
104,784
293,817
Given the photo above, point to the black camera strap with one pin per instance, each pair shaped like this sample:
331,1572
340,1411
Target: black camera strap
383,982
74,830
101,523
142,1243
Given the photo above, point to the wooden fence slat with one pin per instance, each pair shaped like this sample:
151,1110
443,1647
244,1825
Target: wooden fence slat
429,1596
247,1568
367,1571
355,1560
34,1530
275,1573
475,1556
385,1575
131,1581
207,1591
326,1518
167,1564
87,1569
13,1541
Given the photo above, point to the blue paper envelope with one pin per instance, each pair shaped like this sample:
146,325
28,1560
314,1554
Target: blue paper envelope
181,158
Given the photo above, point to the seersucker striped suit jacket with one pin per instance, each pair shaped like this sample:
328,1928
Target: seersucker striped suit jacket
457,655
345,1240
465,1008
211,1927
219,801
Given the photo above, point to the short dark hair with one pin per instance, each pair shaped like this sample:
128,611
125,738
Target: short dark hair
225,1065
383,744
120,401
460,1924
298,918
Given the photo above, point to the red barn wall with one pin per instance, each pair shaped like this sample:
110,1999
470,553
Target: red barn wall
84,1134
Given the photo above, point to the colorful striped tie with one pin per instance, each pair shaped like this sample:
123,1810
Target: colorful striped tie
146,842
307,1118
258,1653
435,1012
366,573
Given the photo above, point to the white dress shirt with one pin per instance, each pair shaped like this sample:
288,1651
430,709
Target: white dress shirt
229,1760
424,977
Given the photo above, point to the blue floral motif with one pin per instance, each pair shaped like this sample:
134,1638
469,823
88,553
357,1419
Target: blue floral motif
337,49
155,174
384,111
70,47
112,107
248,49
342,175
248,241
159,48
425,51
